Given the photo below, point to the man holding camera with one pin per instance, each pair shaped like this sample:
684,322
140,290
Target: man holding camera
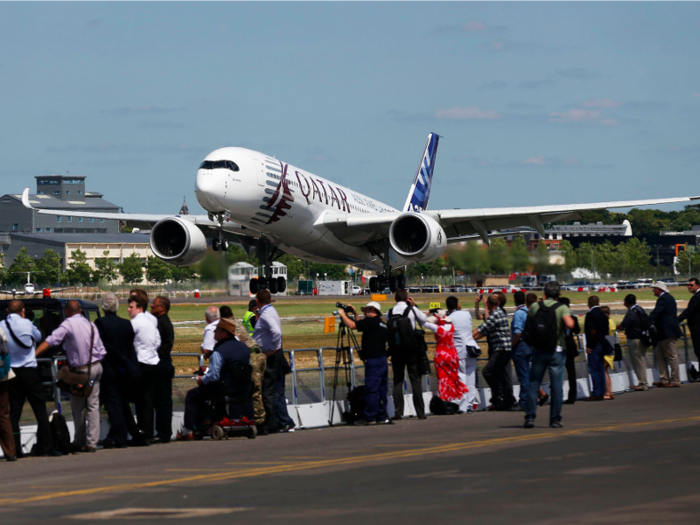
374,337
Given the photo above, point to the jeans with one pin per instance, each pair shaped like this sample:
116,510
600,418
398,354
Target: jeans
556,363
376,384
596,370
521,359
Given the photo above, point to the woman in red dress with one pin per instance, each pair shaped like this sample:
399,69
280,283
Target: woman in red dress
450,388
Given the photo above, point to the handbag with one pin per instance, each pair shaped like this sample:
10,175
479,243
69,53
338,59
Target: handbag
473,351
77,382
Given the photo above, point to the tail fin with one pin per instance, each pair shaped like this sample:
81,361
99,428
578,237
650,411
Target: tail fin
420,190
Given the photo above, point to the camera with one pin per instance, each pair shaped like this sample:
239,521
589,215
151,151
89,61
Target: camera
344,307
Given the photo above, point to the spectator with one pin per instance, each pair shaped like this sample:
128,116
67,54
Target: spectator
450,386
7,441
146,343
374,339
212,316
250,317
664,317
26,385
571,355
496,371
84,353
632,325
692,314
547,358
403,359
120,370
522,353
596,328
258,364
220,378
609,353
462,322
165,371
268,334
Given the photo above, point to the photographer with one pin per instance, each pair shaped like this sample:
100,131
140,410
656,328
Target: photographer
374,338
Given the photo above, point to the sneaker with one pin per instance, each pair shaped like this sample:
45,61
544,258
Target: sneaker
556,424
529,422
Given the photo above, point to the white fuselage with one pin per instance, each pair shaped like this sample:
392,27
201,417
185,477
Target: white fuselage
285,204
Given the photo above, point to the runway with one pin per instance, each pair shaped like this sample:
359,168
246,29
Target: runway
634,459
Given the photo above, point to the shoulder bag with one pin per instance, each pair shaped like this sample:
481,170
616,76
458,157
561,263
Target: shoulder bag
77,382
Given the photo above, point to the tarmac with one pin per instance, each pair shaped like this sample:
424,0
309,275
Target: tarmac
631,460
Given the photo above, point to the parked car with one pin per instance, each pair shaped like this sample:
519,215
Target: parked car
356,290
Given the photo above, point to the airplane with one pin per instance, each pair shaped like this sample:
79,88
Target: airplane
30,288
271,207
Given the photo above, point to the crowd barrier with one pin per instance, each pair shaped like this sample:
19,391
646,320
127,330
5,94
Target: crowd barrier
313,403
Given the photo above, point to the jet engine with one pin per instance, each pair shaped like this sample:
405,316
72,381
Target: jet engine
417,237
178,241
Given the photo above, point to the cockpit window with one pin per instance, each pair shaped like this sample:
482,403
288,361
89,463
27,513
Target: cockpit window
218,164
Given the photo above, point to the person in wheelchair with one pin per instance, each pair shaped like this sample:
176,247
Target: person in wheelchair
227,381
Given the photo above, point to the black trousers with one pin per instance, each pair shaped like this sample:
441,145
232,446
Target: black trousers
144,401
272,369
196,400
571,374
695,338
114,397
27,387
399,364
497,375
163,399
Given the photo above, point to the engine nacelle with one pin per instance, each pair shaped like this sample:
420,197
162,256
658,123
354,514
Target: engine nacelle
418,237
178,241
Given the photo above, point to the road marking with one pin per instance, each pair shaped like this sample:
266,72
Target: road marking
385,456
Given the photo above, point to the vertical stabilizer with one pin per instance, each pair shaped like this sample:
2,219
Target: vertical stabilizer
420,189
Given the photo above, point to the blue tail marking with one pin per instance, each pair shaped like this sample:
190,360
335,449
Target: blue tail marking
420,190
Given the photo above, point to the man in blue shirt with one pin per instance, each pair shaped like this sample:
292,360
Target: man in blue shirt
26,386
522,353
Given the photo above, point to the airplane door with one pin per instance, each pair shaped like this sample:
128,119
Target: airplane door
260,168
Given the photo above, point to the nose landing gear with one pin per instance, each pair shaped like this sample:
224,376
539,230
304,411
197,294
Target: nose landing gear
219,244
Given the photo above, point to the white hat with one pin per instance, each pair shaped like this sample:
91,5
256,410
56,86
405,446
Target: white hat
439,314
373,304
660,285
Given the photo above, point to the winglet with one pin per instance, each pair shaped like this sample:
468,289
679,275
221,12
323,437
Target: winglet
25,199
420,189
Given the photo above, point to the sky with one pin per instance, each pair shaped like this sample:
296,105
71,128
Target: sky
537,103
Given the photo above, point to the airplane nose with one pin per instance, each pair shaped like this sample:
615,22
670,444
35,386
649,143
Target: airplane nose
207,187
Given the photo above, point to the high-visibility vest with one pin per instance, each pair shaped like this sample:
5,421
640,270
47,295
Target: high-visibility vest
247,322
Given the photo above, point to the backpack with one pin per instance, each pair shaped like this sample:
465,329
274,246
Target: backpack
401,334
356,398
648,330
541,329
59,432
443,408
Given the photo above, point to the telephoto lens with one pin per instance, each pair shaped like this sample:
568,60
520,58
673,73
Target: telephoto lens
340,305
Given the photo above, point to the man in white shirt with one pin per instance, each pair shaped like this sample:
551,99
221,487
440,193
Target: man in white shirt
146,343
402,359
462,322
212,316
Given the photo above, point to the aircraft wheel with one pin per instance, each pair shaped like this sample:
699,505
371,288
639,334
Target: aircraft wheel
254,286
373,285
224,245
381,283
272,285
217,433
281,284
401,281
216,245
392,284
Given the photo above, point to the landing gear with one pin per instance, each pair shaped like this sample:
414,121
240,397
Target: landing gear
266,255
219,244
381,282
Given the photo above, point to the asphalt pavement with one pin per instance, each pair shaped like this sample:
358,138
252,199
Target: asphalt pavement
631,460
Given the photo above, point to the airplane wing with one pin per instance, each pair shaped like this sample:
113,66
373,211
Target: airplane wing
460,225
146,221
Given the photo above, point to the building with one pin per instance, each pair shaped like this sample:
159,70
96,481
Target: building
118,245
64,192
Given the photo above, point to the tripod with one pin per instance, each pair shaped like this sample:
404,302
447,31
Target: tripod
346,340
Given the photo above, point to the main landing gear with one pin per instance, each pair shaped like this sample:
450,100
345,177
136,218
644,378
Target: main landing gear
381,282
266,255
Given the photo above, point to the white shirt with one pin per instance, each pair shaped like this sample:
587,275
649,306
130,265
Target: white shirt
415,313
26,332
462,321
209,342
146,338
268,329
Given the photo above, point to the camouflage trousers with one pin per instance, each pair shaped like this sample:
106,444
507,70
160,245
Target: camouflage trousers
259,362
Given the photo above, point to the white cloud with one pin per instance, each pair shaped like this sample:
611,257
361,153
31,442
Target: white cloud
572,161
535,160
470,113
601,103
590,116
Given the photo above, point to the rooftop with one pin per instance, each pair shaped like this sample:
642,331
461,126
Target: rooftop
92,238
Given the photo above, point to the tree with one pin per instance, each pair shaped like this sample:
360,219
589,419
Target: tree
3,270
105,269
295,266
49,265
23,263
519,256
79,271
131,269
181,274
541,262
157,271
213,267
569,253
682,263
